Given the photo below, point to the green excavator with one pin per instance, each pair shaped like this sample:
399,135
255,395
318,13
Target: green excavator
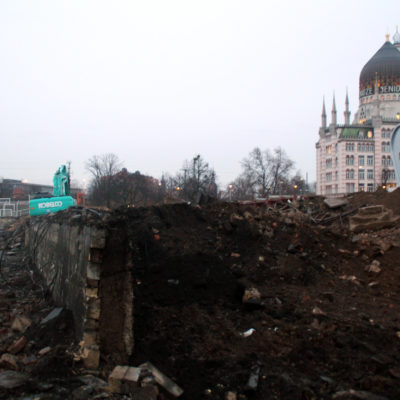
61,198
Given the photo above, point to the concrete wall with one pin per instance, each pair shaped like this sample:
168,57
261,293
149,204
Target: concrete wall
85,270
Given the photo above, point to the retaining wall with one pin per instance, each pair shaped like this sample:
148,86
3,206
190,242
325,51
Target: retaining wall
85,269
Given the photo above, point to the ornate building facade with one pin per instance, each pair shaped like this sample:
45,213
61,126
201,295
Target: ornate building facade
356,156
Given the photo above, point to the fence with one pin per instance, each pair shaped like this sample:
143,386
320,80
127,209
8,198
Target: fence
10,208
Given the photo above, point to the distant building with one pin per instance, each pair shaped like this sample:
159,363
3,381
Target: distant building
356,156
20,190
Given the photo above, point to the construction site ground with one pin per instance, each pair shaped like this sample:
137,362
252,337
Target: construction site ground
231,302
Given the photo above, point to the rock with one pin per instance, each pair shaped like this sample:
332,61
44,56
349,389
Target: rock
8,361
17,346
44,351
230,396
318,311
131,378
251,296
357,394
374,267
52,315
82,392
123,379
29,360
12,379
116,377
21,323
247,333
171,387
234,218
252,383
94,382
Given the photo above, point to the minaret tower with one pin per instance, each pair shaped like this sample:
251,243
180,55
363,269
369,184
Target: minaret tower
396,38
334,122
347,111
323,115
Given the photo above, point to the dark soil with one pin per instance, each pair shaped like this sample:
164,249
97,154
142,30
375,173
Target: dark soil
316,331
324,328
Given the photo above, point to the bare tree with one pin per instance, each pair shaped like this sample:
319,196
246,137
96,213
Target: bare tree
103,169
265,172
241,188
196,177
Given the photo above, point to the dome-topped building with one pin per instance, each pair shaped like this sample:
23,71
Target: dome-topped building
356,156
382,69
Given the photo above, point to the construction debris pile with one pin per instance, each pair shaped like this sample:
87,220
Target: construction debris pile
292,301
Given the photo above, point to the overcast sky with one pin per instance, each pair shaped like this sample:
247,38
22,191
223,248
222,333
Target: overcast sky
157,82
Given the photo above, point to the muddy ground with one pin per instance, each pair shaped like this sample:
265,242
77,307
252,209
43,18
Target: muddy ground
320,323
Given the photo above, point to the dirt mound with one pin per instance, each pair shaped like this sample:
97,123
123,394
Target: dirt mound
390,200
322,324
268,302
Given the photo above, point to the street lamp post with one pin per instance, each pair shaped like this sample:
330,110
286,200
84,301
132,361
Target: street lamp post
230,187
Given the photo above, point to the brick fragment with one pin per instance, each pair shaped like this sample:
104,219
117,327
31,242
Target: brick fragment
17,346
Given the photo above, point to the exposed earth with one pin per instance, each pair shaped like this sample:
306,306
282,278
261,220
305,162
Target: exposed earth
232,301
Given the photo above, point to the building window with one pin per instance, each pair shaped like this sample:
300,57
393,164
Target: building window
370,174
349,146
370,160
361,174
336,162
385,147
369,147
329,176
349,173
350,187
360,160
361,187
349,160
328,163
383,161
329,149
389,161
370,187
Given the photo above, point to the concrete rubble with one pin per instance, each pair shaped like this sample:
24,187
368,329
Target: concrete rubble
132,380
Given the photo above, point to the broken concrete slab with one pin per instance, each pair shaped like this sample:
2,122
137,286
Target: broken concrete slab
372,218
115,379
335,202
162,380
123,379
